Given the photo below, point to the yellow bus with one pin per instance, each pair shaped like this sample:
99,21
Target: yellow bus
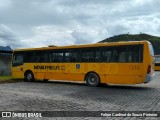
157,62
110,63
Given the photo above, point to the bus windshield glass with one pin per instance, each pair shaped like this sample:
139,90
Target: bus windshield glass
151,50
17,59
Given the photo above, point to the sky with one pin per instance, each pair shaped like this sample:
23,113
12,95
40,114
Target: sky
39,23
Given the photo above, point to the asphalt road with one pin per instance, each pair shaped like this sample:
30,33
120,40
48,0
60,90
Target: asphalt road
62,96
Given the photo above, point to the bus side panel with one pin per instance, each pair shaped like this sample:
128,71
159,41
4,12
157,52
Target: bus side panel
113,73
40,70
54,71
28,66
46,71
17,72
122,73
77,71
36,69
115,79
74,71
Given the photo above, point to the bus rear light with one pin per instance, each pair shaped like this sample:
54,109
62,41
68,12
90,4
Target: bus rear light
149,69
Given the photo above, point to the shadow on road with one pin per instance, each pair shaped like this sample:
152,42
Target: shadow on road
101,86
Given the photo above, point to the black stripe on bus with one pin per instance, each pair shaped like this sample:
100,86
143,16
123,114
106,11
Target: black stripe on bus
157,64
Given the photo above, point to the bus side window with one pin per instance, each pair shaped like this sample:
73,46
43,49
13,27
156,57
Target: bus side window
57,57
114,56
122,57
53,57
75,57
68,57
29,57
131,54
122,54
87,56
135,54
97,56
107,55
42,56
41,59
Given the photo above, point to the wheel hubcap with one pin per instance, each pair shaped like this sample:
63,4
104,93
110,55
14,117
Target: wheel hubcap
29,76
92,80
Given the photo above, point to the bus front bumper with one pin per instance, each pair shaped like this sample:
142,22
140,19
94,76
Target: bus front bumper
149,78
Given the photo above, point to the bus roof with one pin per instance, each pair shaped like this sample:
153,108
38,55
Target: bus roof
50,47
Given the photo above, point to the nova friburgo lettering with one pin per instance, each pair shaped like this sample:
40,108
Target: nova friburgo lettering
42,67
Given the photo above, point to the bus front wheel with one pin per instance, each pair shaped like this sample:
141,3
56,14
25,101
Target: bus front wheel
29,76
92,79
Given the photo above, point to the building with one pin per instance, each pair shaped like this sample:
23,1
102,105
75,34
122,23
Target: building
5,60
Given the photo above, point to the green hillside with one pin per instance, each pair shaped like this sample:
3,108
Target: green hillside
137,37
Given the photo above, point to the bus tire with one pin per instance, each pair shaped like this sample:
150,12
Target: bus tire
28,76
92,79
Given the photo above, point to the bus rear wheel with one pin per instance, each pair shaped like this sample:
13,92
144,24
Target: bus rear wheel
29,76
92,79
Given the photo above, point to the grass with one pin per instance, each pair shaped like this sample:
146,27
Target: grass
4,79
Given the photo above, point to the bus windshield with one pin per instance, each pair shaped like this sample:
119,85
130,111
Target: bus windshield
151,49
17,59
